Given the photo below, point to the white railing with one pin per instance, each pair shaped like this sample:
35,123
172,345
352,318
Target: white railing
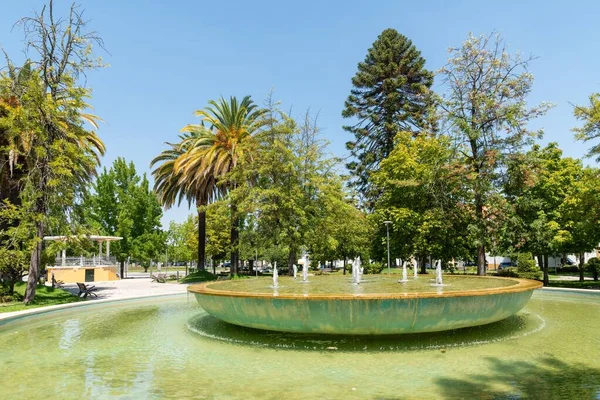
84,261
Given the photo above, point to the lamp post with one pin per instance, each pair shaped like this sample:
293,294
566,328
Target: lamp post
387,229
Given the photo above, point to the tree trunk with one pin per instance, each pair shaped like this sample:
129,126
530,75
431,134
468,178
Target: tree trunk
481,267
201,234
34,266
581,267
291,261
423,264
344,265
546,278
122,269
235,235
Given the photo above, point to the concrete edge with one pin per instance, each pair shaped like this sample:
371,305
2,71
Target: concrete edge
559,289
14,315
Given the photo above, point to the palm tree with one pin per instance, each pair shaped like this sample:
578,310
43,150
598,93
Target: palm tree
215,147
174,186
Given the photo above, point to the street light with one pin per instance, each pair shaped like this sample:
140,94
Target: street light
387,229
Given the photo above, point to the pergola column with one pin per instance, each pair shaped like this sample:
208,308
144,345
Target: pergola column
99,248
64,257
108,248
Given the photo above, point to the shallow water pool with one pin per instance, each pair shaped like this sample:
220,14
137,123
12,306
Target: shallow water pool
168,347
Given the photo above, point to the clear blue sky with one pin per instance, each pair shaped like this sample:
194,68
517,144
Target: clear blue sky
169,58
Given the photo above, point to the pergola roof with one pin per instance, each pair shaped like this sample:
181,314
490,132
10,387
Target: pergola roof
94,238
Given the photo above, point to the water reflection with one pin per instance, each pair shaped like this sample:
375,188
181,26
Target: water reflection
520,325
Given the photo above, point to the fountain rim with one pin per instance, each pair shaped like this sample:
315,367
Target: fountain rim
521,286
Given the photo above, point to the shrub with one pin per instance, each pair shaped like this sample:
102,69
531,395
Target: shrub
526,267
569,268
509,272
373,268
593,265
199,276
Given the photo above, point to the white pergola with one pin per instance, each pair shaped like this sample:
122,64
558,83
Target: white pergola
93,238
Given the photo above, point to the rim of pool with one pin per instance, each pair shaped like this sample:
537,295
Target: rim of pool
211,288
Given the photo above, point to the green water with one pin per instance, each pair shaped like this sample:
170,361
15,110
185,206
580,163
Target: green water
371,284
169,348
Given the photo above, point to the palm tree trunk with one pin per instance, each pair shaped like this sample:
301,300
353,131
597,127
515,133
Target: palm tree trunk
201,238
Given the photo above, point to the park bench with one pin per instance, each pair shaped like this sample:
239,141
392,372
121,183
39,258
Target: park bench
84,290
160,278
57,284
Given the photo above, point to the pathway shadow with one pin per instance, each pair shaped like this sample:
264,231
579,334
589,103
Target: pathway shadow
542,378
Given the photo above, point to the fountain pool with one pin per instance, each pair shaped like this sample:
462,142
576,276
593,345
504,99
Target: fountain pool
166,347
378,305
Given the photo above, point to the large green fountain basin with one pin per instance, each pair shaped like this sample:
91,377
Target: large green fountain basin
370,313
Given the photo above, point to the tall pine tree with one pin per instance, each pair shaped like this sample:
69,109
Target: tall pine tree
391,93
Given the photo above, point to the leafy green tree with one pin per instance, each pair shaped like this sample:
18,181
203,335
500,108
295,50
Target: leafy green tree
486,109
122,204
49,143
590,116
218,227
16,245
538,183
178,242
580,217
391,93
423,195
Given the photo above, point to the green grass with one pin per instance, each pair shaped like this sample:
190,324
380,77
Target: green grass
595,285
44,296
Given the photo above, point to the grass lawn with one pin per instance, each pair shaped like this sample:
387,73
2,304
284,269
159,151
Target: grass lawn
575,284
44,296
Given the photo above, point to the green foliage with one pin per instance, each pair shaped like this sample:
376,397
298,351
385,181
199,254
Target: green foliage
373,267
526,263
180,240
122,204
486,107
590,116
593,266
218,228
511,272
391,93
422,193
45,296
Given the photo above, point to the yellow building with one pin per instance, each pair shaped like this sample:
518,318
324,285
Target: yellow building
101,267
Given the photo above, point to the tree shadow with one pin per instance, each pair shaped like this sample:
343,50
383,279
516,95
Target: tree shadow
544,378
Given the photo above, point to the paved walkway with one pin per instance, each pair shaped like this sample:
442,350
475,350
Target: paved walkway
112,290
128,288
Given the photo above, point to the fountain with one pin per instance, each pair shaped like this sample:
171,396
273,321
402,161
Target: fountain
295,270
305,271
357,271
331,306
404,273
275,276
438,274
